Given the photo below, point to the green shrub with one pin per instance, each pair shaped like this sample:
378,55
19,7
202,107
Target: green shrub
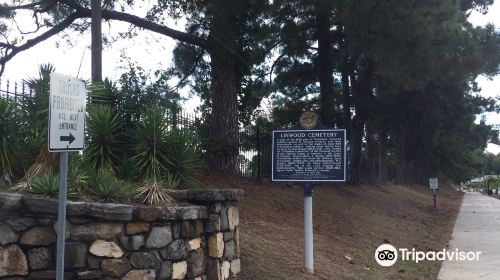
160,152
183,159
8,140
126,169
106,187
149,138
78,176
157,193
46,185
104,131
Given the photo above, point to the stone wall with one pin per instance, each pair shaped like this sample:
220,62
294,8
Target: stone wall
199,240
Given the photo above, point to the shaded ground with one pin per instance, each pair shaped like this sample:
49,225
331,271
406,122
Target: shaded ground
348,221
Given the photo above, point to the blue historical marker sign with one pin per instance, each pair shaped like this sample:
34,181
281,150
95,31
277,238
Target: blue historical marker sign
310,153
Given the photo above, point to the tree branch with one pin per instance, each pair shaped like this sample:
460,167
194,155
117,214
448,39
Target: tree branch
28,32
6,45
29,6
272,67
145,24
82,12
32,42
161,29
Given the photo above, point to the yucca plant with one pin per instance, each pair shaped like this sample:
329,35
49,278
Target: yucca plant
126,169
78,176
154,192
149,138
8,142
104,131
106,187
34,120
183,159
46,185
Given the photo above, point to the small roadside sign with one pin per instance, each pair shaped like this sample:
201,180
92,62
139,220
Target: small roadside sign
433,183
67,101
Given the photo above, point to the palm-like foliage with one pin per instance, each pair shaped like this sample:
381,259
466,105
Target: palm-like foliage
8,116
108,188
34,122
160,152
36,108
46,185
183,159
104,132
78,176
149,135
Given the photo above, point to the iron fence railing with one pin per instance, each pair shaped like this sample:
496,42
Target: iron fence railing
15,91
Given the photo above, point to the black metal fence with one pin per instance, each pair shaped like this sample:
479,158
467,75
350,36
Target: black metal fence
255,140
255,151
15,91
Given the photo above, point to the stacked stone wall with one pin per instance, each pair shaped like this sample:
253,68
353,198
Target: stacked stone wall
199,240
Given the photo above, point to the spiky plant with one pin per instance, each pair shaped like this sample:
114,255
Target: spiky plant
78,176
8,116
151,158
149,137
34,121
183,159
104,131
46,185
106,187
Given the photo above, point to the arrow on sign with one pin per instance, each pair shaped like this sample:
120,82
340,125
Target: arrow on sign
69,138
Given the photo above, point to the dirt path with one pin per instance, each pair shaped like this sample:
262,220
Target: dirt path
477,229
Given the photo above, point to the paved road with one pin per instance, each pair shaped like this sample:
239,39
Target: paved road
477,229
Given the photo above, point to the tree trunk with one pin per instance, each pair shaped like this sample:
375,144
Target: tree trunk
325,65
223,155
96,41
346,89
382,156
225,71
356,140
370,154
400,156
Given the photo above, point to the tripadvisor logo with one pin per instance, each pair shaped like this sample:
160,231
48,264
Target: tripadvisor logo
387,255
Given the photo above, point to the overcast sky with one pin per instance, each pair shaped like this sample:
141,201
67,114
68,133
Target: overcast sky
152,52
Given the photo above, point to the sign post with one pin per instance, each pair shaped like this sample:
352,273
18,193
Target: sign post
309,152
67,101
433,183
308,228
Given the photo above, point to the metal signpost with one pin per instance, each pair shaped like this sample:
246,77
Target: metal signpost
433,183
309,152
67,101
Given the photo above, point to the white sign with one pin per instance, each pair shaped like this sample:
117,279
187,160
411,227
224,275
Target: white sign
433,182
67,101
